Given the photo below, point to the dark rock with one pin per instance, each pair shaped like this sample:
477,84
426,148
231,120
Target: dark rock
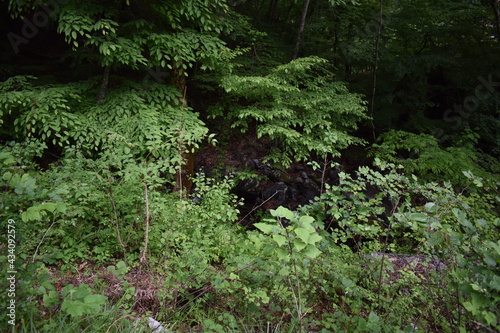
249,151
275,175
256,163
334,176
249,189
280,176
265,169
279,192
308,188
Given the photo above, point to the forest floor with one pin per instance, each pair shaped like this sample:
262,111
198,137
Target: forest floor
150,291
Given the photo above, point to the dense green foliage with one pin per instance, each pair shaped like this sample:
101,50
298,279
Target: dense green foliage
298,105
379,141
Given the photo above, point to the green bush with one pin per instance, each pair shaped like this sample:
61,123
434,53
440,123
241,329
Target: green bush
323,267
297,105
423,154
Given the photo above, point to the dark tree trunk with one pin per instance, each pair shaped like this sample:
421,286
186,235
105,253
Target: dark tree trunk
375,67
287,15
271,13
104,85
496,10
300,33
335,46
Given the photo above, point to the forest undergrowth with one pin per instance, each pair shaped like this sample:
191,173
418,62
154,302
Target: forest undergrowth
192,166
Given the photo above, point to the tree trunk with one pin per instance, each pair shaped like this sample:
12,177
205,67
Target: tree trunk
271,13
335,45
301,30
496,10
144,250
185,173
104,85
375,67
287,14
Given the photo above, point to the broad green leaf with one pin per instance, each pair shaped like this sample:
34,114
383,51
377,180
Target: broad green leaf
373,318
49,206
280,240
314,238
282,254
80,293
489,260
468,174
121,265
94,302
475,287
348,283
430,207
284,271
462,218
469,307
73,308
460,215
490,317
51,299
495,246
306,220
9,160
312,251
479,300
31,214
61,207
283,212
436,238
299,246
418,217
264,227
495,283
303,234
263,296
